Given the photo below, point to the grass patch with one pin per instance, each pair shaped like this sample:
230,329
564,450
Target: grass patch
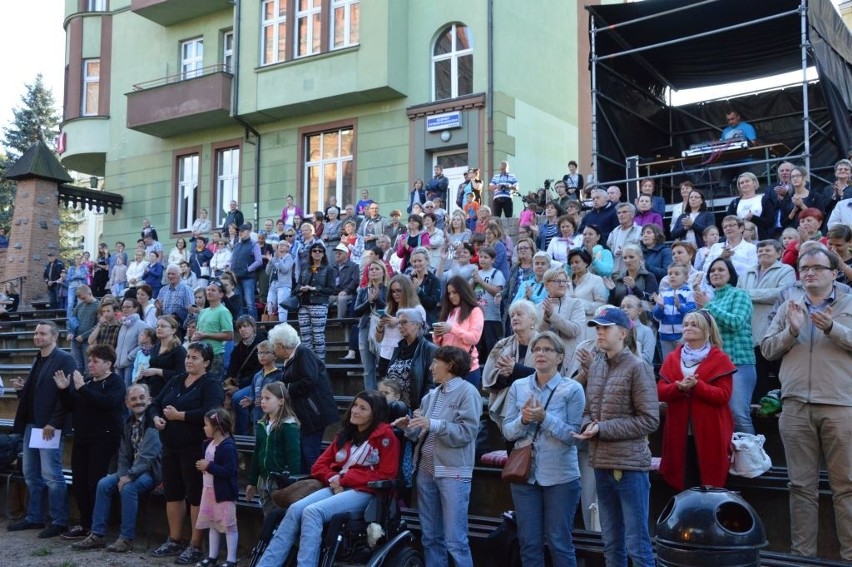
41,552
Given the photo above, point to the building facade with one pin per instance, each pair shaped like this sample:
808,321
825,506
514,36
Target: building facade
189,104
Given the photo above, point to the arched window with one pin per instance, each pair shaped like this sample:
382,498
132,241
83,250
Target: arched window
452,63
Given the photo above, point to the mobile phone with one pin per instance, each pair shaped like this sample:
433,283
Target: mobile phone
381,312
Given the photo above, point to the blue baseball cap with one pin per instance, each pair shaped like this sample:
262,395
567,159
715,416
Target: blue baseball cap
609,317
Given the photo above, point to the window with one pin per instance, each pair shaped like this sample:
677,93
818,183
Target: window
328,168
191,58
228,51
308,27
91,87
96,5
345,22
227,181
452,63
274,35
187,191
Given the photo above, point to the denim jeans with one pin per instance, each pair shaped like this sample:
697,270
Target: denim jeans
303,523
78,352
368,358
744,380
276,294
311,449
546,512
248,285
72,301
623,509
442,505
43,471
129,496
242,416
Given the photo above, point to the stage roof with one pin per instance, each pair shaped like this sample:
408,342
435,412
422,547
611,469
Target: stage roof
713,53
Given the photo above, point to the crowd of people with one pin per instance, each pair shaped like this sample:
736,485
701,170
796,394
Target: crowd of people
561,329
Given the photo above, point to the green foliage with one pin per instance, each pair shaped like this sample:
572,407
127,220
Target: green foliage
7,193
36,120
41,552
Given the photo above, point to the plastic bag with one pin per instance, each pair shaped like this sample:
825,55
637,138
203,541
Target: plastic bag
748,458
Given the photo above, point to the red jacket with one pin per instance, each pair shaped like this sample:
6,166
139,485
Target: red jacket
380,461
706,408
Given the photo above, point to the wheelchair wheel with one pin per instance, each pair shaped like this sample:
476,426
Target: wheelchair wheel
405,557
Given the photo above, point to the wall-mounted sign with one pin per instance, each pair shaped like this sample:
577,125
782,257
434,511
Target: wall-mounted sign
444,121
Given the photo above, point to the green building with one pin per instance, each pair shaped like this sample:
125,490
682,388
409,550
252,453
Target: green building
187,104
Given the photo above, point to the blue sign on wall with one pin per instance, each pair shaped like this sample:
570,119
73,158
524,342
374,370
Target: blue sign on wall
444,121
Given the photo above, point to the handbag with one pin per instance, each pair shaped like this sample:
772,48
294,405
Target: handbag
748,458
291,303
517,468
286,496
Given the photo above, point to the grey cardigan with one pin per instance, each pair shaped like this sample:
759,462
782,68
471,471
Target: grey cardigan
454,428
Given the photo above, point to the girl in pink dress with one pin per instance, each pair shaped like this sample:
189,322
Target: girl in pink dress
218,509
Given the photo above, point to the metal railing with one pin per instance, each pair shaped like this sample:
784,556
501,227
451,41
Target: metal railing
183,76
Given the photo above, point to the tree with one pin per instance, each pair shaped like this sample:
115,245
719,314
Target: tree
36,120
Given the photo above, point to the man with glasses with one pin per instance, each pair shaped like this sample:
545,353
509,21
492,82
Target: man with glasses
621,411
372,227
812,335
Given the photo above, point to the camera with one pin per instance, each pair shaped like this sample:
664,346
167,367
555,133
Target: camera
548,183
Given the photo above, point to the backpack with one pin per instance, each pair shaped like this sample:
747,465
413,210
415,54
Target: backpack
503,543
11,446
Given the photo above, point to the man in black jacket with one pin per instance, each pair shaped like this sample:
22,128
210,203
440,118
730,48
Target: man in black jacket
235,217
41,413
346,278
245,262
52,270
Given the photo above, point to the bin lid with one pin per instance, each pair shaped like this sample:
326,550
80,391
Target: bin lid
710,517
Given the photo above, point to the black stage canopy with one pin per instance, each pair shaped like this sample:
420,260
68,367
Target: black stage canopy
639,49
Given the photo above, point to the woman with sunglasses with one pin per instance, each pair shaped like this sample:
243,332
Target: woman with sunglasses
316,284
401,294
178,414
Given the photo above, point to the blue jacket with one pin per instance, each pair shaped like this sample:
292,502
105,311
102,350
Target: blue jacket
245,259
658,259
224,470
604,218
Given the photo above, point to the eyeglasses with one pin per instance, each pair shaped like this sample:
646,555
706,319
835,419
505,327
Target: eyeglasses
543,350
559,282
524,248
126,307
317,251
262,352
289,235
817,269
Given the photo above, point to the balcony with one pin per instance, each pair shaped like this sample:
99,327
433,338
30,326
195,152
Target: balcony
171,12
176,105
85,144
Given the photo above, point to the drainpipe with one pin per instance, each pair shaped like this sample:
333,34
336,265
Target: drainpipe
489,95
235,106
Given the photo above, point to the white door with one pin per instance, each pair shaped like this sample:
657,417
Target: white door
455,165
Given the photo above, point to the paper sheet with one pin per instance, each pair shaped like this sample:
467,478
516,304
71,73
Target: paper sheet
38,442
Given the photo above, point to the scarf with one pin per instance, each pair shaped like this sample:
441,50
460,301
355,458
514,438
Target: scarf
129,320
692,357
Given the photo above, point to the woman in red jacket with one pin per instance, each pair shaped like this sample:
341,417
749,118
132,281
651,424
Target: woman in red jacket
365,450
696,381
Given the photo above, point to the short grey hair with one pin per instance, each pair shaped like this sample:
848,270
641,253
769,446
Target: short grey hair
598,191
529,308
630,206
284,335
415,316
173,268
771,242
557,343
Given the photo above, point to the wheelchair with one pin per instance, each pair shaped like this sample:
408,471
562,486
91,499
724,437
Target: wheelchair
377,536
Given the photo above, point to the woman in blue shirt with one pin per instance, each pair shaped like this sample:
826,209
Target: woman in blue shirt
546,408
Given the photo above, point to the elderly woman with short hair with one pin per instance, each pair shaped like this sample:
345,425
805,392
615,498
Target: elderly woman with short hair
410,364
511,358
546,408
563,314
445,428
309,388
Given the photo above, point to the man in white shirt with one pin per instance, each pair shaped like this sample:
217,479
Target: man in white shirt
742,254
627,232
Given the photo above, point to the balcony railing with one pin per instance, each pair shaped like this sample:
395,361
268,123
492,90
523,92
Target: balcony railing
184,76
